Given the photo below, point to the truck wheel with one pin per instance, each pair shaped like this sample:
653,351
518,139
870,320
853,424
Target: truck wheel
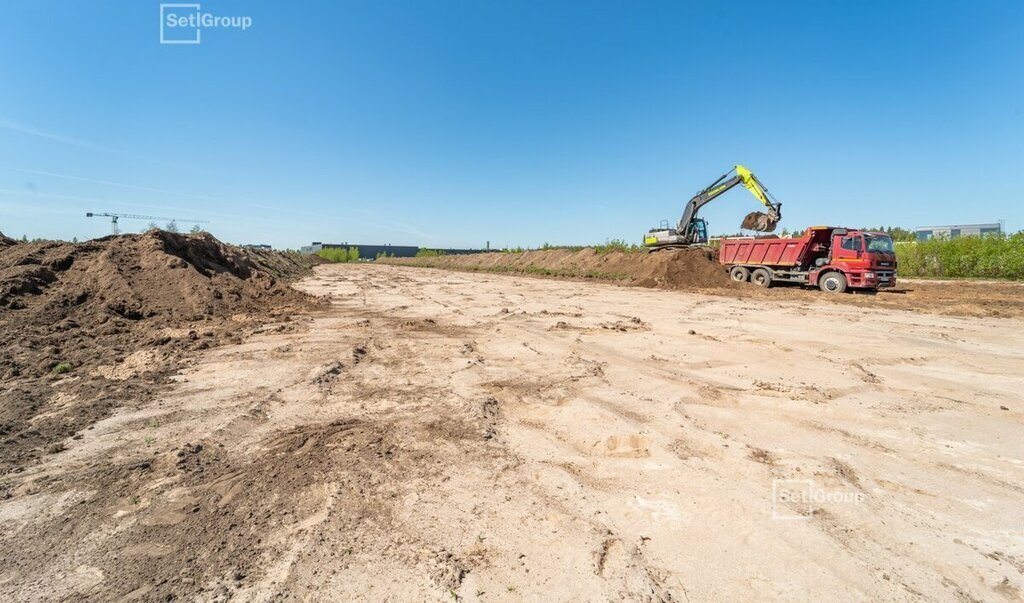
739,274
832,282
761,277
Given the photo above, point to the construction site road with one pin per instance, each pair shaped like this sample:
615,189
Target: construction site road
439,435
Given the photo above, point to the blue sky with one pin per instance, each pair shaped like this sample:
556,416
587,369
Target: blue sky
451,123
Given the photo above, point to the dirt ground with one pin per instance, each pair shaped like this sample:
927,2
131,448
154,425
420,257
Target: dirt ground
86,328
438,435
699,270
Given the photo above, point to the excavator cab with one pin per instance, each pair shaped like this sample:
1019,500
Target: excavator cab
666,237
700,231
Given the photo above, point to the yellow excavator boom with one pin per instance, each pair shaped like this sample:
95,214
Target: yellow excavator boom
750,181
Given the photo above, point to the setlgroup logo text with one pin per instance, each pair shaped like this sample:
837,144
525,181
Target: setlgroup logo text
185,23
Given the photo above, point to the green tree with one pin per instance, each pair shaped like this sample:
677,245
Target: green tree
172,227
901,234
898,233
196,229
353,254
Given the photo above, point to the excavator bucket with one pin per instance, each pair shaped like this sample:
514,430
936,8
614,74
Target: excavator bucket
760,221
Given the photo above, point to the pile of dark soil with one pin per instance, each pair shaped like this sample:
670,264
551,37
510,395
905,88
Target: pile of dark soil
88,327
681,269
280,265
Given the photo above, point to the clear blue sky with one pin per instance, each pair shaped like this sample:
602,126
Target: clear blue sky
451,123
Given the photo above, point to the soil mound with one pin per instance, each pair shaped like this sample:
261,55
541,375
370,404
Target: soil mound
6,241
86,327
696,268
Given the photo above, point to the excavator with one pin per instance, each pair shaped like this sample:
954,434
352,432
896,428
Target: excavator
693,231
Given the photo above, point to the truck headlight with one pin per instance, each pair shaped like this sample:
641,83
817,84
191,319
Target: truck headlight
869,275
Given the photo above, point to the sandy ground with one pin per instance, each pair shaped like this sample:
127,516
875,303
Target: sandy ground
697,270
439,435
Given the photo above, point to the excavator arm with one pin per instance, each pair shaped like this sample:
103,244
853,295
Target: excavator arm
764,222
693,230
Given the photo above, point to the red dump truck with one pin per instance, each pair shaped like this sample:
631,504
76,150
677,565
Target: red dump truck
827,257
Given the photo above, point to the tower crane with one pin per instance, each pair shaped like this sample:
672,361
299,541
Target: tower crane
114,217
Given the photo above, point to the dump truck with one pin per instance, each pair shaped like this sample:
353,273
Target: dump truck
831,258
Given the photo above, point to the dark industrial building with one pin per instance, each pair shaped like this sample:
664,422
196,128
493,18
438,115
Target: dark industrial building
369,252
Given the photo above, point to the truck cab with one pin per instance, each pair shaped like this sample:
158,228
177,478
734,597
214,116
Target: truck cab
867,259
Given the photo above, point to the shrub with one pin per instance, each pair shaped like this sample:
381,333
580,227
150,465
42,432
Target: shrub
340,254
334,254
998,256
429,253
617,245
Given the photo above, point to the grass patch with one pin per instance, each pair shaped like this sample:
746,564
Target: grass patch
60,368
608,246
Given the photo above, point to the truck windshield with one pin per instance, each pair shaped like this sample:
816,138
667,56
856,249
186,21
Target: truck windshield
877,243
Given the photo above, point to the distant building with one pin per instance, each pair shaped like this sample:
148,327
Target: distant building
369,252
312,248
957,230
257,246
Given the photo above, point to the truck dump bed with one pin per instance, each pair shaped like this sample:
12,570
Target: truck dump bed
767,251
